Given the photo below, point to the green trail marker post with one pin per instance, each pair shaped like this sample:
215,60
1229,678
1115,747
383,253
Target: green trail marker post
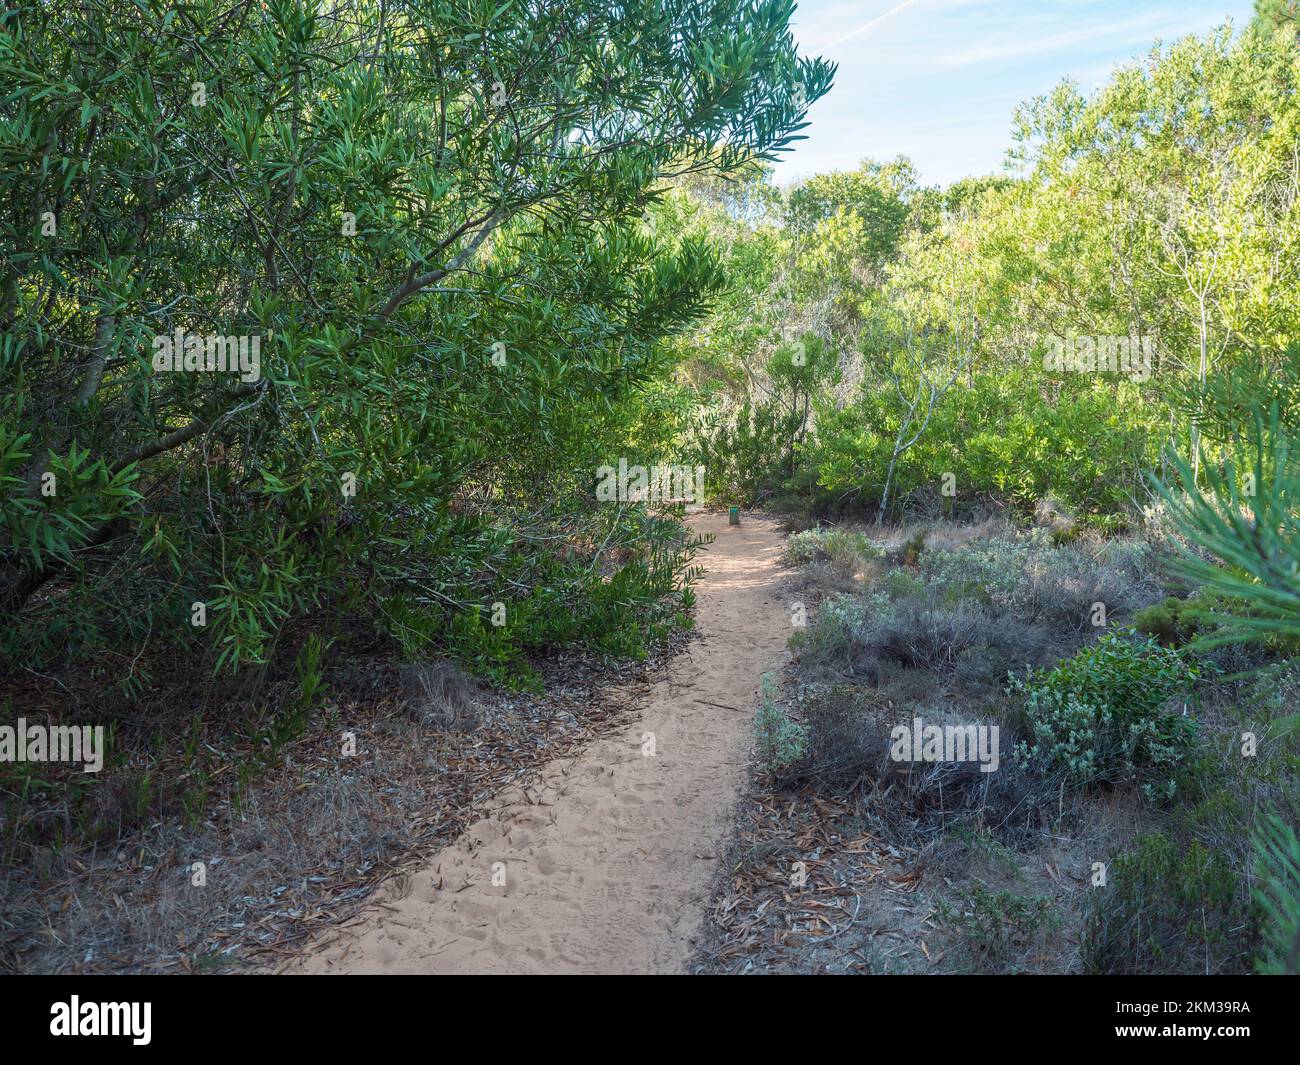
733,515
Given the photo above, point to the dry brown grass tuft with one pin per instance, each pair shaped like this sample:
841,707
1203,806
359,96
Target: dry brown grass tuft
936,867
288,843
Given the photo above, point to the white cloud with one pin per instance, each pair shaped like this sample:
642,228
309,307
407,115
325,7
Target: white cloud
852,34
939,79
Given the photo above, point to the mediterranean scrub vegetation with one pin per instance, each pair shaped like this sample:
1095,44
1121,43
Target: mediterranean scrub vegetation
1035,436
319,322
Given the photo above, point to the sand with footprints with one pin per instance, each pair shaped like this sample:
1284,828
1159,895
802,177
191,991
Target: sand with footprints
605,864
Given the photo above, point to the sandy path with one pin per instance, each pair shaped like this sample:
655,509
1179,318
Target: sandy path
609,861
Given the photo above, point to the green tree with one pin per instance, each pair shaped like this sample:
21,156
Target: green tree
1271,15
427,214
878,195
1244,550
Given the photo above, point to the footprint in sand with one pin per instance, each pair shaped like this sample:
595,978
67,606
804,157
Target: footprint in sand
609,880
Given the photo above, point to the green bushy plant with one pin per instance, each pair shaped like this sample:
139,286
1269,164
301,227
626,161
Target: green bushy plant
902,584
1106,715
780,741
804,547
1173,622
752,447
420,422
911,552
1244,550
310,671
845,625
992,570
998,927
1033,579
843,547
999,435
1245,522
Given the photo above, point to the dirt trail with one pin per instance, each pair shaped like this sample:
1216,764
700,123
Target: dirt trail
609,860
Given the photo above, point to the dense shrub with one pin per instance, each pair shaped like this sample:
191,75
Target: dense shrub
847,737
989,606
999,436
925,633
844,631
458,303
1173,622
752,447
1033,579
847,550
1106,714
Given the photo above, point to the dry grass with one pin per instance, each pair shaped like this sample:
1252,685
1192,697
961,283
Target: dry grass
936,867
302,841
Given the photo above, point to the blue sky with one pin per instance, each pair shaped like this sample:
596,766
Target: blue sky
938,80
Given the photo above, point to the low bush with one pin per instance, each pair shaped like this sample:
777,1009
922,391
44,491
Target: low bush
1166,910
965,846
844,632
846,550
911,551
998,929
950,626
901,584
845,738
1032,579
1105,714
780,741
1007,645
1173,622
856,633
927,634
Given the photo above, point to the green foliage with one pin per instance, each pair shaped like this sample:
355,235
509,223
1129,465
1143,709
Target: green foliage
1033,578
430,218
1105,715
901,584
986,845
913,550
309,669
752,448
1173,622
984,608
876,195
1277,867
1228,405
844,627
997,928
1246,524
780,741
1003,435
1166,910
1273,15
841,546
1159,209
742,449
1244,548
